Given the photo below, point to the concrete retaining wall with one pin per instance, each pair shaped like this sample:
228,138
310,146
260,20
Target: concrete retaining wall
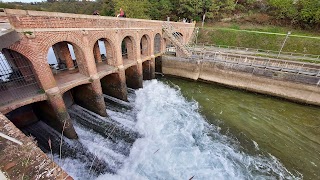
25,161
296,87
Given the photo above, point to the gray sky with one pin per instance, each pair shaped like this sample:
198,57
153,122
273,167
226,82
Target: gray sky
26,1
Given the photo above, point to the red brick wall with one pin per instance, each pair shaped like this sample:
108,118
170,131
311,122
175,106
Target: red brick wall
82,31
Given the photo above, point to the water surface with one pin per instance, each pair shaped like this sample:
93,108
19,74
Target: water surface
261,124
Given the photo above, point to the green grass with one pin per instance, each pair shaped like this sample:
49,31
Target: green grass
268,38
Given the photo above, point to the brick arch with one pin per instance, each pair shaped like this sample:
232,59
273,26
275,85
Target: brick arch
131,45
74,39
46,80
18,104
111,45
157,45
145,45
64,90
95,36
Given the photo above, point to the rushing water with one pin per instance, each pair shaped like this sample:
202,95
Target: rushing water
261,124
177,129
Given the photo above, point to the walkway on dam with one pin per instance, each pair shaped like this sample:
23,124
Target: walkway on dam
260,52
296,67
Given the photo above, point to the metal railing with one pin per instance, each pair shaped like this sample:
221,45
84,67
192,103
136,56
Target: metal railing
194,36
259,62
17,78
176,38
268,52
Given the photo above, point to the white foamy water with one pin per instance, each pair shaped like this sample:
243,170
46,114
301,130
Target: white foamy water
177,143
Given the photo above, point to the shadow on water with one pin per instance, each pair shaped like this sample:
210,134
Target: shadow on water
261,124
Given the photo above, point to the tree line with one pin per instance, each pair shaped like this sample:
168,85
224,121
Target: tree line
303,13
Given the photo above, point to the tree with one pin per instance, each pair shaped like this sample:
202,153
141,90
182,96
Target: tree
309,11
284,8
107,7
133,9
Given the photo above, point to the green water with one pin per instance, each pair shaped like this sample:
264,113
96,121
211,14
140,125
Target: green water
287,130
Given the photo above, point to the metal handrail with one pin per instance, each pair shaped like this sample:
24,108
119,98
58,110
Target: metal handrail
259,62
171,32
315,56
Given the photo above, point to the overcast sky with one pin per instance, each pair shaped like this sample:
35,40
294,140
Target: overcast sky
26,1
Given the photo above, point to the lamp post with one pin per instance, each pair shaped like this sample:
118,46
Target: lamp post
284,42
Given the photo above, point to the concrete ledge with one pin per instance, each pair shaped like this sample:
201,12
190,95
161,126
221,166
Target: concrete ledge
58,14
16,104
8,38
296,87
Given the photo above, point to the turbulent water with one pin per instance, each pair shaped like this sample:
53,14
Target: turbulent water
164,137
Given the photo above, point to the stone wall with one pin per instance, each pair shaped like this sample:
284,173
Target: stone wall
296,87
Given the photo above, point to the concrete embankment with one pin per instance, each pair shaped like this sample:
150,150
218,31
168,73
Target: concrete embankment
24,160
292,86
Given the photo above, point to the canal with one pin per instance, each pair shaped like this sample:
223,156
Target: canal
261,125
178,129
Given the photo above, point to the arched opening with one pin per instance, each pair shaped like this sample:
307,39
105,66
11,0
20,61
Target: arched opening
104,55
144,46
39,121
133,77
147,69
127,49
66,61
157,43
114,85
103,51
86,96
17,77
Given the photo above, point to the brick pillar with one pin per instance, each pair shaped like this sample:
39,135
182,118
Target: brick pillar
152,67
152,45
60,114
130,49
110,54
115,85
90,97
117,59
146,65
134,77
96,52
136,47
62,50
66,55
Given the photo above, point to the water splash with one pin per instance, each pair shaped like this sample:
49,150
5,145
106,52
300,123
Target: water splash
178,143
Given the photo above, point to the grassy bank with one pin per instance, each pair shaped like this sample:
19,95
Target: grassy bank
260,37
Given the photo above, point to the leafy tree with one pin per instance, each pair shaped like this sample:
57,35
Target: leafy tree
107,7
309,11
160,9
283,8
133,9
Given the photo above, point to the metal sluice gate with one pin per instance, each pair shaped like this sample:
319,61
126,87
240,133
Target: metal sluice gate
17,77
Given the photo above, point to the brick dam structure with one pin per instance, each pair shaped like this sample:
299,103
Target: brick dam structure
93,55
